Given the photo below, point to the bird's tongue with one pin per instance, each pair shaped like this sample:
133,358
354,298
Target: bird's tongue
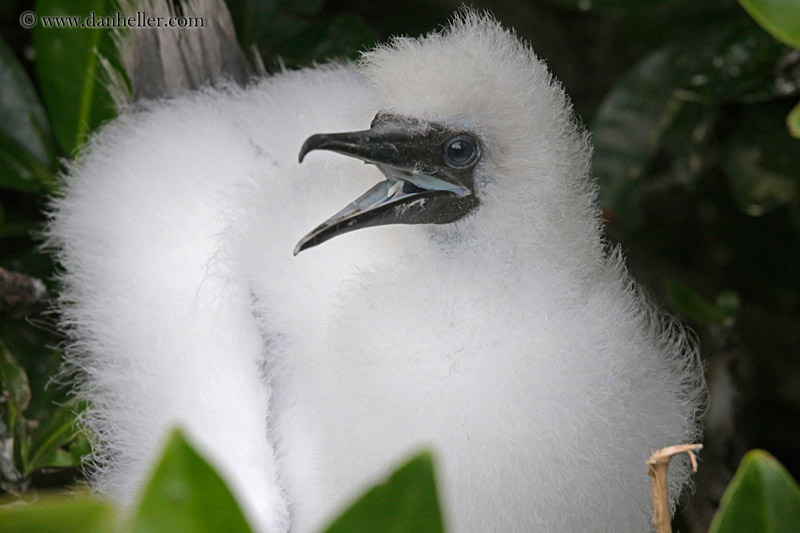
421,180
388,202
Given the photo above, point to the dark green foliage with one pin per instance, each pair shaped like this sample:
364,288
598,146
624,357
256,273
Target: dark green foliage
298,32
762,160
679,86
27,155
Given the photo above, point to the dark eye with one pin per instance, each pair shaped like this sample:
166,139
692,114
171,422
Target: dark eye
460,151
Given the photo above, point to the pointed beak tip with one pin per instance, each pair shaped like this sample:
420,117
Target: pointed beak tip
315,142
303,152
302,245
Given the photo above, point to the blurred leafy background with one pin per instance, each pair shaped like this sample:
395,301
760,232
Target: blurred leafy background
700,182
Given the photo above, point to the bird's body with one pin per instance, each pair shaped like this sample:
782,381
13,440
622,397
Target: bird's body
510,341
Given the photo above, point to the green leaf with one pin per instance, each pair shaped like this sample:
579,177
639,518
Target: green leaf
26,144
406,503
761,498
16,390
80,448
779,17
83,514
185,494
57,430
69,70
793,121
17,395
61,459
42,360
697,308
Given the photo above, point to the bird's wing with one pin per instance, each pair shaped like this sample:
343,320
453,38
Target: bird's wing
158,290
161,324
161,321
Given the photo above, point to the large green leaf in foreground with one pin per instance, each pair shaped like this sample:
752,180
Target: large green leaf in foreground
185,494
762,498
406,503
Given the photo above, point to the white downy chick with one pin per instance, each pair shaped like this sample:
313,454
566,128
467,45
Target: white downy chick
508,337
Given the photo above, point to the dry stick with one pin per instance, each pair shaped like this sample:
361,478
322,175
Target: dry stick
658,464
20,294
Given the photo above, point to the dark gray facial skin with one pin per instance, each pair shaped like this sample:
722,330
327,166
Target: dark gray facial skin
429,170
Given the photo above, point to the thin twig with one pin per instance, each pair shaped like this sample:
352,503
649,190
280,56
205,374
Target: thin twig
658,465
20,294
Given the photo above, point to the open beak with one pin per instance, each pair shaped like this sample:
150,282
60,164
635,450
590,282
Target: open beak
418,188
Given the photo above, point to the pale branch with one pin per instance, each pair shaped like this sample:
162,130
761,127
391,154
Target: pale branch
658,466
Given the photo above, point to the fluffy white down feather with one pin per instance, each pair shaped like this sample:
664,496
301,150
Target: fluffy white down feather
511,342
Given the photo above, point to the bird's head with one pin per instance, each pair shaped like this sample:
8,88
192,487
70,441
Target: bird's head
471,125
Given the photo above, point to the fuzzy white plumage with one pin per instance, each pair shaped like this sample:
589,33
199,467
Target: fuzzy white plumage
511,341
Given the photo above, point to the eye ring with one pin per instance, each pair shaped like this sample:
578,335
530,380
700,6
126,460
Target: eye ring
461,151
